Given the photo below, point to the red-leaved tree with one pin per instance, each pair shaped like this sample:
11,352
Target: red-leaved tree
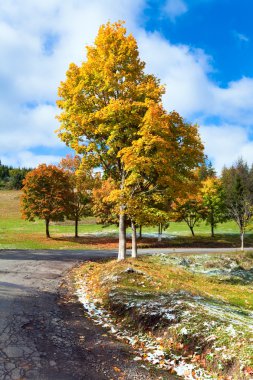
46,195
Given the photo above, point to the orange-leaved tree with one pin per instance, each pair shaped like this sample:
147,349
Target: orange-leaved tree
189,206
107,106
162,162
103,208
46,195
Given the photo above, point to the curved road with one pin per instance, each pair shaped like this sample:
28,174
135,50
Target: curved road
46,336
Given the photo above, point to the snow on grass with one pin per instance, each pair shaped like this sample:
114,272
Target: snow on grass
149,349
180,312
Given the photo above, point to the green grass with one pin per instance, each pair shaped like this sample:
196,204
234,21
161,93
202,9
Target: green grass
214,311
167,277
18,233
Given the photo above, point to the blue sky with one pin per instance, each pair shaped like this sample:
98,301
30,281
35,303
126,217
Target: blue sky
222,28
202,50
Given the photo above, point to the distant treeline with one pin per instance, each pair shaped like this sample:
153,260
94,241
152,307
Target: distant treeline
12,178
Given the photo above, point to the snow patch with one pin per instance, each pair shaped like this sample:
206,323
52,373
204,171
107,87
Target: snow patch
150,351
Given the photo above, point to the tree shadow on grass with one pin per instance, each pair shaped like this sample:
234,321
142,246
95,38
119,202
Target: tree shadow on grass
105,242
111,242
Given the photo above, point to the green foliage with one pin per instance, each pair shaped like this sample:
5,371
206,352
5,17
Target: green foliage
12,178
189,209
206,170
4,173
213,202
237,182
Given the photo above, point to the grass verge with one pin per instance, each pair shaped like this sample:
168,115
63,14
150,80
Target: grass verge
200,308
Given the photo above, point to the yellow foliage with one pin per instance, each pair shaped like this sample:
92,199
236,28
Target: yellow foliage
111,112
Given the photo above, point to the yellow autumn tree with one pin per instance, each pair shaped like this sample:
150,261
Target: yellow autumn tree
105,107
213,201
189,206
103,208
81,181
161,163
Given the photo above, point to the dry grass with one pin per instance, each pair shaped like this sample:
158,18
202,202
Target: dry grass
9,204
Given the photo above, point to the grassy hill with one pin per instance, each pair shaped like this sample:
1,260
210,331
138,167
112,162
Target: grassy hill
18,233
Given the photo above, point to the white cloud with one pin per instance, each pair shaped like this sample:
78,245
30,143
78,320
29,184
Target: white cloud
29,76
226,143
28,159
32,128
175,8
191,92
241,37
235,102
183,71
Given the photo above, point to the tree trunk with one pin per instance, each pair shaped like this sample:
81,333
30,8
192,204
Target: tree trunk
212,224
122,235
47,228
140,232
76,228
159,232
191,228
242,241
134,241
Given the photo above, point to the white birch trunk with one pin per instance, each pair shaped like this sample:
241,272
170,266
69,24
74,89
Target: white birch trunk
134,241
159,232
122,235
242,241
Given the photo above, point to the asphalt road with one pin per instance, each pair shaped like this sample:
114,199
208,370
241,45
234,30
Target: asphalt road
43,332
